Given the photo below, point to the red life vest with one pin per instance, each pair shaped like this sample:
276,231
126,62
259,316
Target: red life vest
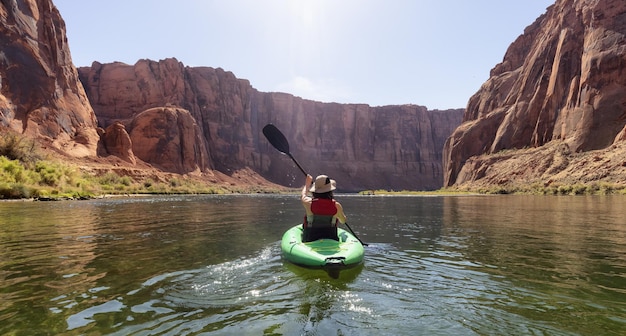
323,207
323,211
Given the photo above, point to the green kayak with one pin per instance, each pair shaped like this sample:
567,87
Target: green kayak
345,253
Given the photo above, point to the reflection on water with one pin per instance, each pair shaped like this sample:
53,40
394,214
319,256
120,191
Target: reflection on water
472,265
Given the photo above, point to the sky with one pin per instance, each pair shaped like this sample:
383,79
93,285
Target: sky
434,53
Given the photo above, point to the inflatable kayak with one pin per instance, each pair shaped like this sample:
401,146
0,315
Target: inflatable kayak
345,253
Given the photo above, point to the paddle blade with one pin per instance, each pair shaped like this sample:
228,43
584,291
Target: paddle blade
276,138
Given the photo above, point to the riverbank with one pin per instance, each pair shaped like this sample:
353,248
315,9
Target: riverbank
51,179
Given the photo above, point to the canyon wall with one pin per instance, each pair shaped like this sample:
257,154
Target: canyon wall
40,94
562,83
363,147
201,120
553,109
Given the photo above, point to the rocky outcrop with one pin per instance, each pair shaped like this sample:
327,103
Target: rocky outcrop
562,81
363,147
170,139
214,98
40,94
117,142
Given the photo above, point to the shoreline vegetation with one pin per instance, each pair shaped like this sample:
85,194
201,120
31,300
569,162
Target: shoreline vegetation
48,180
25,173
595,188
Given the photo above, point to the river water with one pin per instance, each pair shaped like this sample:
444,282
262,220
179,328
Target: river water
211,265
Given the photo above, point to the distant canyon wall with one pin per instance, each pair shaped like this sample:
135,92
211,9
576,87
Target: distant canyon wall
563,80
363,147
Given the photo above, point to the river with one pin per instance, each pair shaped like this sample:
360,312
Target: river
211,265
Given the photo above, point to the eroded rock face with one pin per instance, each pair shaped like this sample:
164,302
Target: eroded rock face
40,94
363,147
170,139
563,80
216,99
117,142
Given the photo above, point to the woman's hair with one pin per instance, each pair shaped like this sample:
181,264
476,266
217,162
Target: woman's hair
326,195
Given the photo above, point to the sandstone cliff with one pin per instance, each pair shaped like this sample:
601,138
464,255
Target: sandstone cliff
561,83
170,139
201,121
363,147
40,94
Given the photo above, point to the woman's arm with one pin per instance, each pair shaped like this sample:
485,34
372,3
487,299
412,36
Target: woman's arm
306,200
340,214
307,185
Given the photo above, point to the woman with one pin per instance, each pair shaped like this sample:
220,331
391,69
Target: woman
322,211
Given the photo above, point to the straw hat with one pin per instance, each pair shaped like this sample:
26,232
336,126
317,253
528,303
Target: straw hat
323,184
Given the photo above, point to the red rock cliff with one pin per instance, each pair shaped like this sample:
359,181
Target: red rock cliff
563,80
363,147
40,94
181,119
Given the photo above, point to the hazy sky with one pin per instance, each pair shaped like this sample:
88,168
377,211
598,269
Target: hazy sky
434,53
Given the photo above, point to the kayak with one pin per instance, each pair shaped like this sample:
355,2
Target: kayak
345,253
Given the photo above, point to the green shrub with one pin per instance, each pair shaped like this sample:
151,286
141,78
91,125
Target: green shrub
16,190
11,170
126,181
175,183
109,179
579,189
17,147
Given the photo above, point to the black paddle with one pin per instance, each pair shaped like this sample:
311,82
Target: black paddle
354,234
278,140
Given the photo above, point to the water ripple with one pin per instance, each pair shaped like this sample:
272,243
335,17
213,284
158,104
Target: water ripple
435,266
